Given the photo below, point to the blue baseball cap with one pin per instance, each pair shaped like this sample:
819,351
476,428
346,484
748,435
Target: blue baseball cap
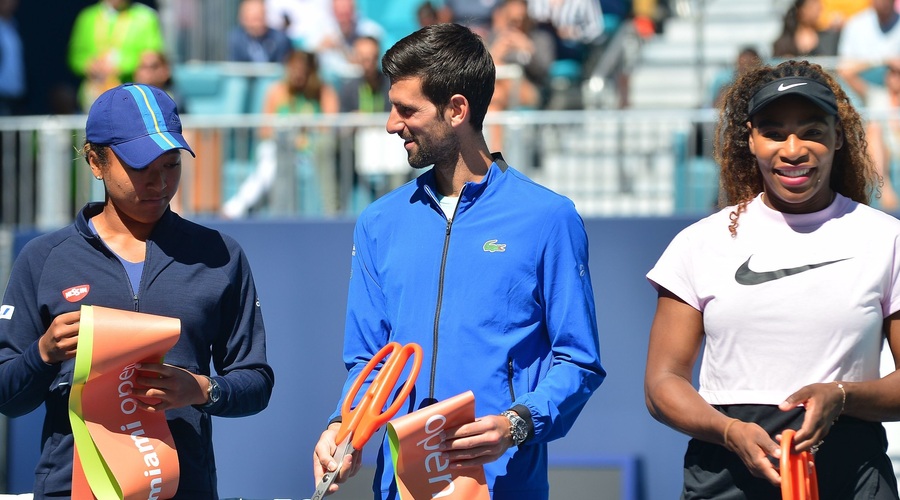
139,123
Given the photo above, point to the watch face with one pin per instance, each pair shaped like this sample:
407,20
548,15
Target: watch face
214,392
517,427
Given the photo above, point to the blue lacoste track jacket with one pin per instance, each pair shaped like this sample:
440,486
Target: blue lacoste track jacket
500,299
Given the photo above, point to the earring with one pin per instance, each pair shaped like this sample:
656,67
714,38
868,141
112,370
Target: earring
98,177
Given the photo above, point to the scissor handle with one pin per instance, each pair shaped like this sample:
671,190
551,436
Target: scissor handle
367,416
798,472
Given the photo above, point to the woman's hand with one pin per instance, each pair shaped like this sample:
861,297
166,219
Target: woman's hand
60,341
824,404
753,445
160,387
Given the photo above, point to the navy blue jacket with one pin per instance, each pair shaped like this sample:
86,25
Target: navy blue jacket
190,272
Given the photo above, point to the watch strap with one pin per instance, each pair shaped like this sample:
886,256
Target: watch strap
213,392
517,427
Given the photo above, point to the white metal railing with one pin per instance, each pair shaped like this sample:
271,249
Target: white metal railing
609,162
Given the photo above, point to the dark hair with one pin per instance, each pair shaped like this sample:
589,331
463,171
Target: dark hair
450,59
785,45
853,173
313,88
101,150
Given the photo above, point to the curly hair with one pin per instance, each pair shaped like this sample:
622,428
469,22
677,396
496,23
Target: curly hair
853,173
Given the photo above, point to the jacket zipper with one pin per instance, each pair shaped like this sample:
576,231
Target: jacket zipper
135,303
440,299
137,300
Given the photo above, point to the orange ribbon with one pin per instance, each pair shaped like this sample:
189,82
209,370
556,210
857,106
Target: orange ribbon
419,467
121,451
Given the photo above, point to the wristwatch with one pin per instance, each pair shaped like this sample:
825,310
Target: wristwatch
213,392
517,427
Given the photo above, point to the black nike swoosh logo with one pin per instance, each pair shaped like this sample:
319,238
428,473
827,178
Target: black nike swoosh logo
745,276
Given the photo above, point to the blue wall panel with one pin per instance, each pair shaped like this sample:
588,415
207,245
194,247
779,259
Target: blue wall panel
301,271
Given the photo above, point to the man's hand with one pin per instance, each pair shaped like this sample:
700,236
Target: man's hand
323,459
477,443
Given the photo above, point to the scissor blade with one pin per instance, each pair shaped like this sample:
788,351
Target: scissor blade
329,477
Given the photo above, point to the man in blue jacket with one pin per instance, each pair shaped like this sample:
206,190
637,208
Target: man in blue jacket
483,268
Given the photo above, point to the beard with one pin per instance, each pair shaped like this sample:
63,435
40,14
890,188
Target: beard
440,151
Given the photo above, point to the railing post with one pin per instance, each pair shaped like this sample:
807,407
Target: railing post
54,195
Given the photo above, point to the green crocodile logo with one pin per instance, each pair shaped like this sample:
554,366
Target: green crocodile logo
492,246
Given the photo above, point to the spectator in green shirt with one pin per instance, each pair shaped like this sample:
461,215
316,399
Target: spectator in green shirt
107,41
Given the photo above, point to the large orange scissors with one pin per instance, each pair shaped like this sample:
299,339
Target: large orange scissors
798,471
360,423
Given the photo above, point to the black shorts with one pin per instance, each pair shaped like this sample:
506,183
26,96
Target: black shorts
852,463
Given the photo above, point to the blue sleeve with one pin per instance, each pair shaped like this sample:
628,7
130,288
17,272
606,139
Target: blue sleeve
25,379
575,371
239,358
367,326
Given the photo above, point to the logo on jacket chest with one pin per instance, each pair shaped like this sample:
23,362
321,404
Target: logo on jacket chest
76,293
492,246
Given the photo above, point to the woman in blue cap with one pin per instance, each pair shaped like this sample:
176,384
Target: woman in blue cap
791,290
132,252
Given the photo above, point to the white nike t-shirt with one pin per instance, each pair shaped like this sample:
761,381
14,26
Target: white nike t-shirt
792,300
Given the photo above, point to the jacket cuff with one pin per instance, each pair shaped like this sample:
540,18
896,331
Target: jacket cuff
525,413
224,392
34,361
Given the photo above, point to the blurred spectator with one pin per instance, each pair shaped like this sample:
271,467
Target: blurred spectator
578,27
475,14
12,66
373,148
884,136
800,34
334,49
426,14
867,40
154,69
106,43
303,21
516,44
302,91
647,16
513,40
748,58
254,41
368,92
576,22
